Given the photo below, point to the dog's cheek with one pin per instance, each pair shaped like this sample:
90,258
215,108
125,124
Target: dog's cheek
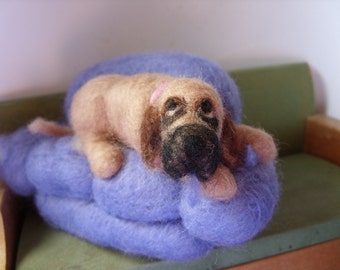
150,137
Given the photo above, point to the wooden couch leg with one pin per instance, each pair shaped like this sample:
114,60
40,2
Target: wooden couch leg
11,216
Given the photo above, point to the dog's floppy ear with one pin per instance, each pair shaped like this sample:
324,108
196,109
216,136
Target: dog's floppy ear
232,145
151,137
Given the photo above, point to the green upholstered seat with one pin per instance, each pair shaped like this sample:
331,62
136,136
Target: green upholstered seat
276,98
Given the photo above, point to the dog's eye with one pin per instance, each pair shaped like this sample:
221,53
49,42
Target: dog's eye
171,105
206,106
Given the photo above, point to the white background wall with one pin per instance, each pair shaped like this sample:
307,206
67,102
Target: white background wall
45,44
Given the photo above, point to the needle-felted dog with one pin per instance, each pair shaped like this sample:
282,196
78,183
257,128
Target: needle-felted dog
153,124
177,125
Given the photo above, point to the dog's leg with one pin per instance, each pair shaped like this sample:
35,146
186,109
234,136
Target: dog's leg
221,186
94,135
262,143
105,156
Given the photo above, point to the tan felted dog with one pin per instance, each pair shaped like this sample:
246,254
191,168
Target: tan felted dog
178,125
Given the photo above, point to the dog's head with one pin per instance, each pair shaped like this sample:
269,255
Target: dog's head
186,130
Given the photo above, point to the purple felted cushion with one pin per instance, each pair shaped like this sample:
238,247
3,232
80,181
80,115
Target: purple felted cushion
167,241
139,211
14,149
138,194
174,221
61,174
233,222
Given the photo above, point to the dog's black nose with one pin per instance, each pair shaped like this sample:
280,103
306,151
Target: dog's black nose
194,146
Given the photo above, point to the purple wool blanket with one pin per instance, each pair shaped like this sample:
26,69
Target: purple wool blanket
139,211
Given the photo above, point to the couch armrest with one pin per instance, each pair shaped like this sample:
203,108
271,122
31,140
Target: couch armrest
10,224
323,137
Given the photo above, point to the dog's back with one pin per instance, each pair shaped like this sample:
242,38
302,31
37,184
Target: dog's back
114,105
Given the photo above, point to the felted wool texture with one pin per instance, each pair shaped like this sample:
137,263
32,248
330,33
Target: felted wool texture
239,219
14,149
167,241
191,223
117,104
155,217
55,169
169,63
192,91
126,195
137,194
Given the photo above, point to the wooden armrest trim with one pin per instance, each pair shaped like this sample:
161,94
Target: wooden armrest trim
320,256
323,137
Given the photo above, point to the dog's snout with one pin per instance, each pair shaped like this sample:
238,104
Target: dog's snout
194,146
191,149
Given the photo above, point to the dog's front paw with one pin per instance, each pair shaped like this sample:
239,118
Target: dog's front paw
262,143
221,186
105,160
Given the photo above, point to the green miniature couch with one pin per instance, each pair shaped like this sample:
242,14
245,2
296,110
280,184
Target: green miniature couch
279,99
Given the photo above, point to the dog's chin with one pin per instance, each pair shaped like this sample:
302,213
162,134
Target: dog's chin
191,149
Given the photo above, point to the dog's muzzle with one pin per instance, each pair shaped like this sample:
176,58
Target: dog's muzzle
191,149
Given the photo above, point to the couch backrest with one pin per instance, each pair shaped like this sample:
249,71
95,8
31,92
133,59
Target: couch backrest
19,112
278,99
